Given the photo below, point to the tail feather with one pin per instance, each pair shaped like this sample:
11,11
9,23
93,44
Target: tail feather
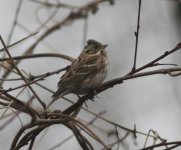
56,96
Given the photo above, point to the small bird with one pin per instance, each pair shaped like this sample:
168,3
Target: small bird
85,73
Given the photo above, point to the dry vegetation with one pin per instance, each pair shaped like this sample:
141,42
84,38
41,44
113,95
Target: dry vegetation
12,105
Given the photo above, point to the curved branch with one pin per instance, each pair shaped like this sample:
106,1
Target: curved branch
40,55
111,83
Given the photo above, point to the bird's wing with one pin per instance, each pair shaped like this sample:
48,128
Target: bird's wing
79,69
85,66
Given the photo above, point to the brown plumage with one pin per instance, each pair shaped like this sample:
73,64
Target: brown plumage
85,73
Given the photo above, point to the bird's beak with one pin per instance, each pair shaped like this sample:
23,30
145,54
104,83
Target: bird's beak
104,46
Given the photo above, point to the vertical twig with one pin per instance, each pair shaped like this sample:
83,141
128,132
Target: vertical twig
137,37
117,136
12,31
14,22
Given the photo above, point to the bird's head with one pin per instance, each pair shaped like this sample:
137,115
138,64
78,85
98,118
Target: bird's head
93,47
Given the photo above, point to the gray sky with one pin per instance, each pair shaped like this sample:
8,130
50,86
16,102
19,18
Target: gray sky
151,102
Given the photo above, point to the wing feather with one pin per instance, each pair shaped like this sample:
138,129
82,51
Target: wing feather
79,69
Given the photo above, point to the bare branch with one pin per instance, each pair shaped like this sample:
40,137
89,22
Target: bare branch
137,37
19,72
58,55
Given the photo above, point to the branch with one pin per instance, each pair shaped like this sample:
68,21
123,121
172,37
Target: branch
19,41
31,80
19,72
175,143
137,37
72,16
150,64
14,21
111,83
58,55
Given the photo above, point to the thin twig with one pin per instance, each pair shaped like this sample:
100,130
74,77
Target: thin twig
71,17
11,119
49,18
176,143
166,53
48,4
117,142
58,55
19,72
19,41
137,37
111,83
14,22
32,80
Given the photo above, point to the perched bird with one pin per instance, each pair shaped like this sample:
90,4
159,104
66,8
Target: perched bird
85,73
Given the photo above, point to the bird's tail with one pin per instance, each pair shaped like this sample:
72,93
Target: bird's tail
56,96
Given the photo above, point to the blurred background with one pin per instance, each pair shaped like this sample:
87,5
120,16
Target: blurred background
151,102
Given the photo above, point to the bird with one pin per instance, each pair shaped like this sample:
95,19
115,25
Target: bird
85,73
